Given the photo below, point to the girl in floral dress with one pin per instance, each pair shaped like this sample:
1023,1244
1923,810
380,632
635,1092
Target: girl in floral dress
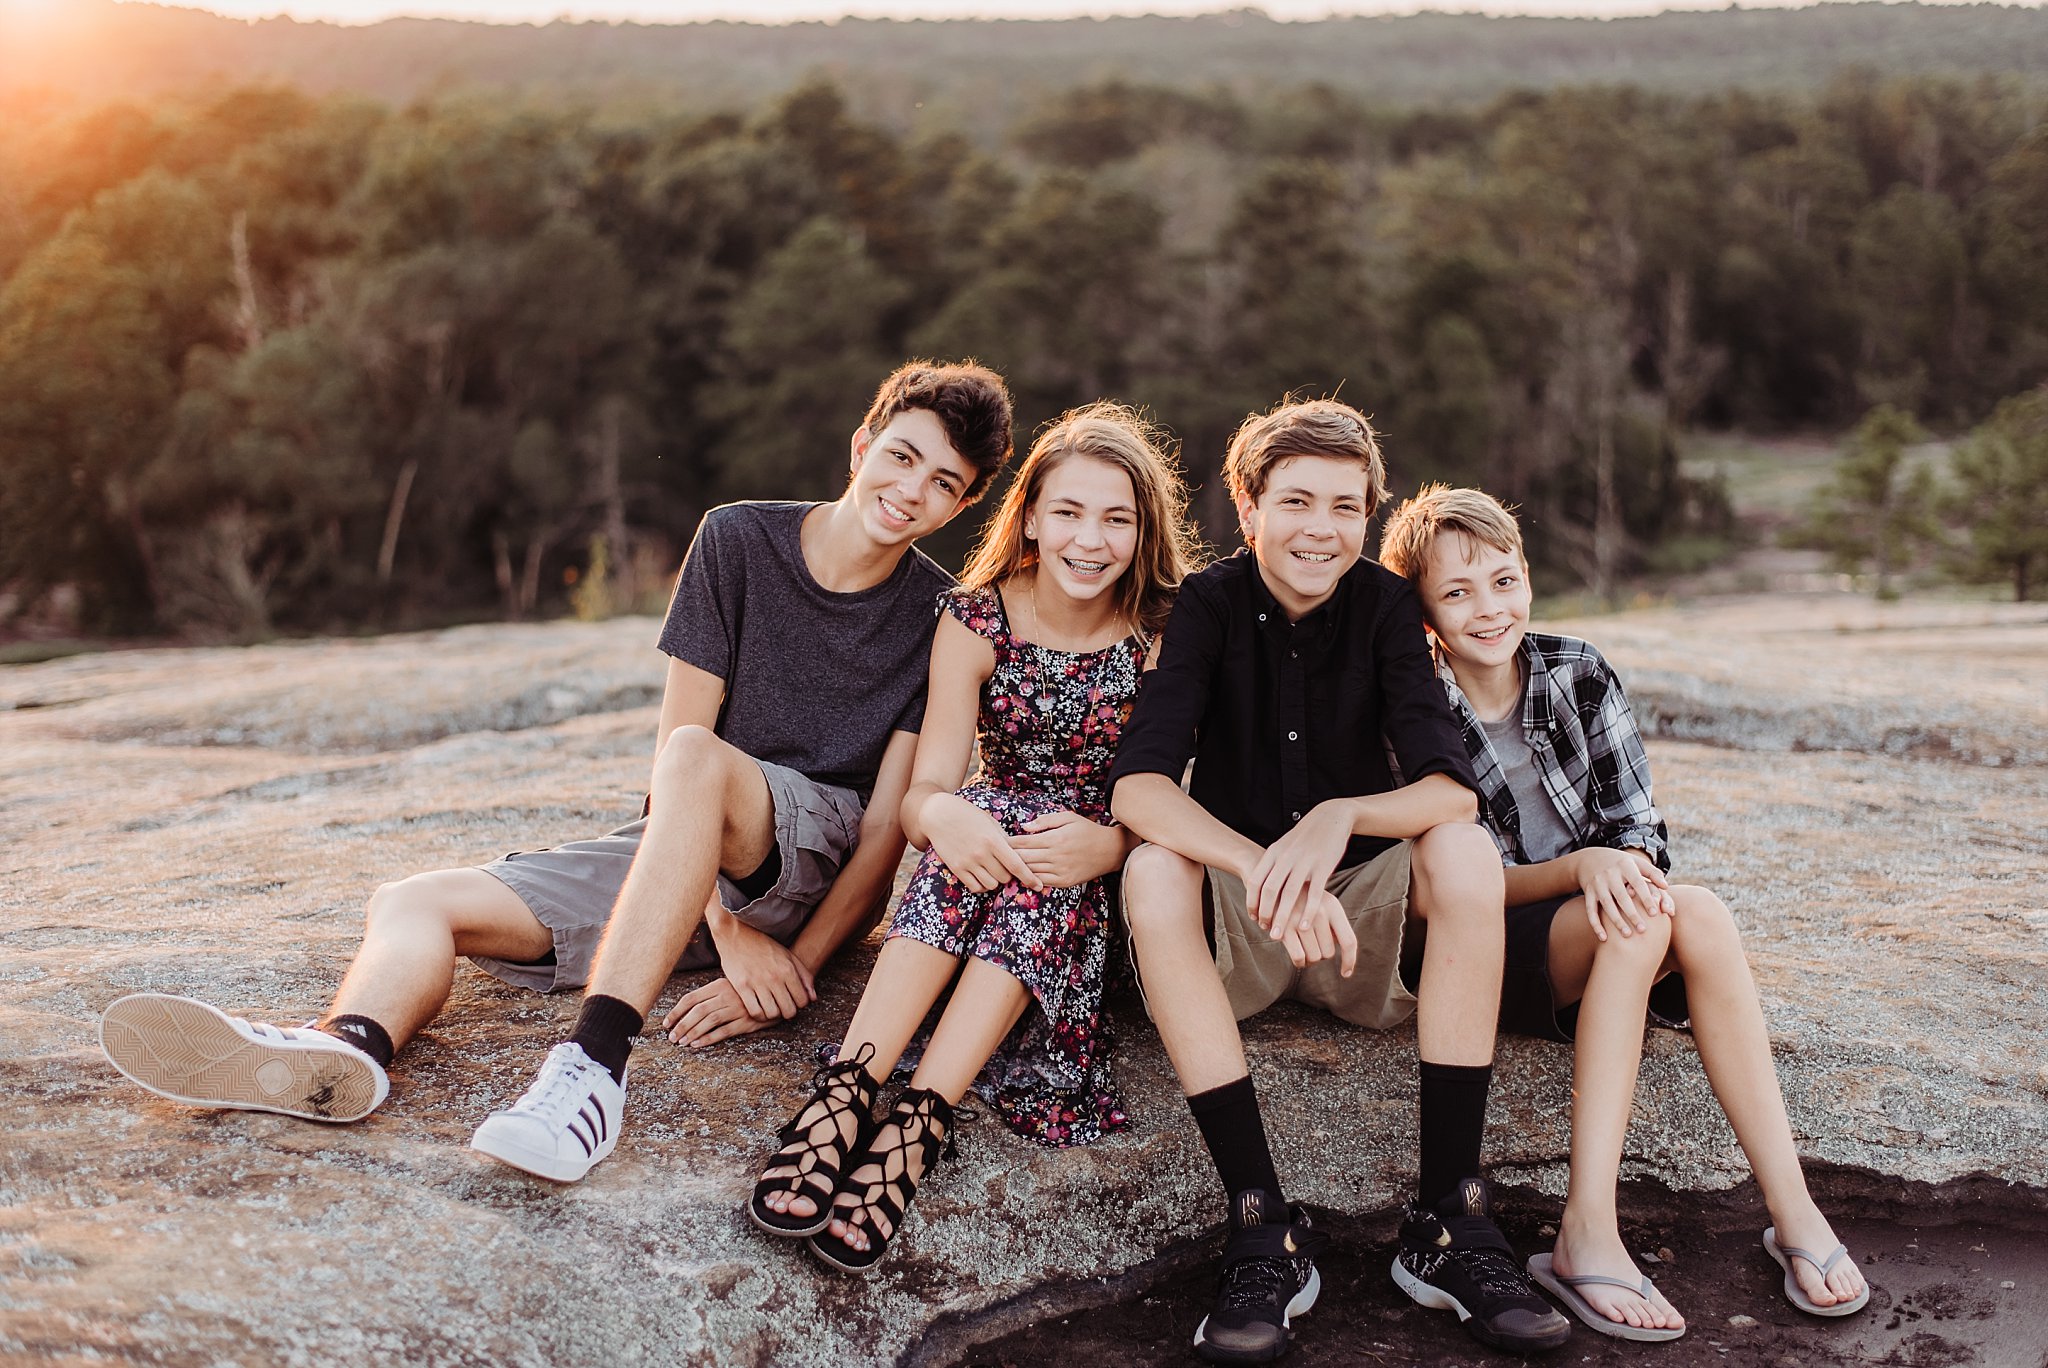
1037,656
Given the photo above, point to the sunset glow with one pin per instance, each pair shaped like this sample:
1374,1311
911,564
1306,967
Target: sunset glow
785,11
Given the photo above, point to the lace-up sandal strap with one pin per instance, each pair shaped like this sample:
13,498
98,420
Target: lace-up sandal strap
841,1092
920,1117
1274,1240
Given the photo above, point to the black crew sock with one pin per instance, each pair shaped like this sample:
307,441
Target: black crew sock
1236,1135
1452,1123
605,1029
365,1034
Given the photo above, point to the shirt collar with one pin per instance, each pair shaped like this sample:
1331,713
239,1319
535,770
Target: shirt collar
1320,619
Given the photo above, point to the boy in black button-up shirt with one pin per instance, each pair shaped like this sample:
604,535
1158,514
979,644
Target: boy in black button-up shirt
1284,674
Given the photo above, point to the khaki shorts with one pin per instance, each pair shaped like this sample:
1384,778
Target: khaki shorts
571,888
1257,972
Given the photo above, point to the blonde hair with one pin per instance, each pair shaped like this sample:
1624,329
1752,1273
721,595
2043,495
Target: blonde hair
1412,529
1304,427
1120,436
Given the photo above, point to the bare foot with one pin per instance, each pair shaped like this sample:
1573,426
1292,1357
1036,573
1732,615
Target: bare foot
1579,1253
1809,1230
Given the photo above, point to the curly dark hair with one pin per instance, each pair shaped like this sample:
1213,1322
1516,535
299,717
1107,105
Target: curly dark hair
970,401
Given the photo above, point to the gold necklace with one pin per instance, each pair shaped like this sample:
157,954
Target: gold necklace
1031,609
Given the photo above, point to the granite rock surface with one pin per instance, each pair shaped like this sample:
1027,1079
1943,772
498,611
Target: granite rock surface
1867,787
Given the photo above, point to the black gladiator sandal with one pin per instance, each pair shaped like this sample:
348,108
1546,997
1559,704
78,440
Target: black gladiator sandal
924,1122
816,1149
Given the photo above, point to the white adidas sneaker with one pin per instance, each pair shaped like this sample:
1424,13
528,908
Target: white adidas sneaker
567,1121
183,1049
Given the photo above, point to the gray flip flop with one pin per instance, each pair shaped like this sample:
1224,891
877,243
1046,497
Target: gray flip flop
1566,1291
1796,1294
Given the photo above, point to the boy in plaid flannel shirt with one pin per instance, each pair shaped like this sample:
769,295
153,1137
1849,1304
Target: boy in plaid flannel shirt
1597,935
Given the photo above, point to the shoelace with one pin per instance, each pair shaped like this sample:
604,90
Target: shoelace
1252,1283
558,1091
1494,1272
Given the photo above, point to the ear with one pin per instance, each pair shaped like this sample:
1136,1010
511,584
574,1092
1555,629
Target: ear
1247,515
1030,527
862,440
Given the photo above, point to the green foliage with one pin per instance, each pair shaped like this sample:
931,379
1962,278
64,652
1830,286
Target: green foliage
2000,495
277,361
1878,509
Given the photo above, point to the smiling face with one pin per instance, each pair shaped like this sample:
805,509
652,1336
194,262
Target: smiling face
1475,597
1085,522
1307,527
907,479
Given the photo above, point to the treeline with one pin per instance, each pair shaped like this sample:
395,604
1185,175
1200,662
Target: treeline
978,76
269,360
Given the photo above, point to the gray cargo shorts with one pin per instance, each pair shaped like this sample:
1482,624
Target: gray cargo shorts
571,888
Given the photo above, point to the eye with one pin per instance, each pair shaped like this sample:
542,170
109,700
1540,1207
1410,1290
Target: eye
945,485
902,456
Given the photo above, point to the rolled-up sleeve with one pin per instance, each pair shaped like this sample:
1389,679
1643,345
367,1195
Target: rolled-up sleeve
1167,717
1415,715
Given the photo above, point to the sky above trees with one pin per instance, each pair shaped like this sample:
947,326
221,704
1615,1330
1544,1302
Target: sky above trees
673,11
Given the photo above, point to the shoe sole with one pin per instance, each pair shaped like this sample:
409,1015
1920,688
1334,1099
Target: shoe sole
192,1053
1796,1294
552,1167
1436,1299
823,1219
865,1270
1575,1302
1303,1300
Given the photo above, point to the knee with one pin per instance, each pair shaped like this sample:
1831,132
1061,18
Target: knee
690,758
1162,891
1647,948
1703,924
401,903
1456,872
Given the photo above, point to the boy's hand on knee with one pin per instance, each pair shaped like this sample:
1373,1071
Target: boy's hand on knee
1659,887
1618,891
1282,887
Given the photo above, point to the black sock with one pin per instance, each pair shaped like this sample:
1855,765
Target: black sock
366,1035
1453,1122
1236,1135
605,1029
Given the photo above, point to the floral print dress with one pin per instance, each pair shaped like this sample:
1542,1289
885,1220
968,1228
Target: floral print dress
1048,729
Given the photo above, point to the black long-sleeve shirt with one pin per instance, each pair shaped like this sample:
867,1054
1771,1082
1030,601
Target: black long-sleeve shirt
1280,716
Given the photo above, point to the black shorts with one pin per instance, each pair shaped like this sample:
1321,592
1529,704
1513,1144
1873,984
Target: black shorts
1528,1004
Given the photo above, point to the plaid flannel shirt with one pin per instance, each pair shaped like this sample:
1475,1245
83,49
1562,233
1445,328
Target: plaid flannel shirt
1580,730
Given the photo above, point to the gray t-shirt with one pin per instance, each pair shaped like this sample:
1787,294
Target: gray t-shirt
814,680
1544,834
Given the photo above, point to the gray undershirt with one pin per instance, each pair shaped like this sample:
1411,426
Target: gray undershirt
1544,834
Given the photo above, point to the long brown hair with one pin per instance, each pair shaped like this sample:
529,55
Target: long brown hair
1117,435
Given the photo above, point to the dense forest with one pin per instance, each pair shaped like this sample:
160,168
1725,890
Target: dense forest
272,360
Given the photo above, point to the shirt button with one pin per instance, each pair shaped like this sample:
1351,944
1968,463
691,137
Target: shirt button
1297,816
1292,737
1294,655
1262,617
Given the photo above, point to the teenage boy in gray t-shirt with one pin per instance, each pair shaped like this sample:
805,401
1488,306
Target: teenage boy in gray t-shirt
798,641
